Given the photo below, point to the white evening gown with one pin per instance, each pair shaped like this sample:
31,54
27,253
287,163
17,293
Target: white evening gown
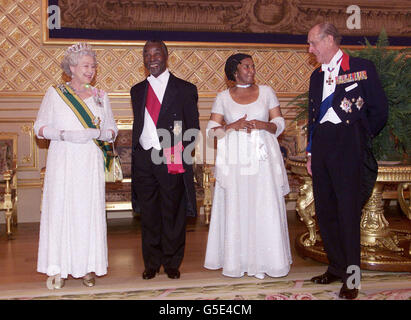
73,237
248,229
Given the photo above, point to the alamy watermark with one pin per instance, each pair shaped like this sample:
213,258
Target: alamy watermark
238,148
354,280
54,19
354,20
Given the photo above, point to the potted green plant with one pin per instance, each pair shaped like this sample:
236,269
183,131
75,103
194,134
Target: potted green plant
394,69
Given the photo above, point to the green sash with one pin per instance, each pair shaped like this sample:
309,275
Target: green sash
86,117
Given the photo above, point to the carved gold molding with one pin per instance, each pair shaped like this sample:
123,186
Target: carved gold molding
246,16
396,173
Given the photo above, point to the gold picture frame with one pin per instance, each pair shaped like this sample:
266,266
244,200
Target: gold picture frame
139,43
286,18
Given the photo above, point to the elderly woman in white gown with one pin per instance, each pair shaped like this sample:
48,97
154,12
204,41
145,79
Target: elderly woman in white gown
248,229
77,119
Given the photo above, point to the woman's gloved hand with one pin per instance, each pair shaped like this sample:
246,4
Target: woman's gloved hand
106,135
80,136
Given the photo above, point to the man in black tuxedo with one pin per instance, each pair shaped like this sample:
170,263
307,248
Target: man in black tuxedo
166,122
347,108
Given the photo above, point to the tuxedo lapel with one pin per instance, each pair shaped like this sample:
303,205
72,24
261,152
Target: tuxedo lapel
318,82
142,96
169,97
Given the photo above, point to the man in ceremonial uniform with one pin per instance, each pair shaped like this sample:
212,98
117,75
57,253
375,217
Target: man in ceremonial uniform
347,108
166,122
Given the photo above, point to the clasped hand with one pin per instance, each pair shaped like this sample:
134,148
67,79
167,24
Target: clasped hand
243,124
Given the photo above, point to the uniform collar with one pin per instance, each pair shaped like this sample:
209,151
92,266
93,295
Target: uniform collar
345,63
334,61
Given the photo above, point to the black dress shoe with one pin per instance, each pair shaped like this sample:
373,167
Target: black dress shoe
173,273
326,278
346,293
149,274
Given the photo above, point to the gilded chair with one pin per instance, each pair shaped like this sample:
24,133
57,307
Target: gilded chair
118,194
203,183
8,179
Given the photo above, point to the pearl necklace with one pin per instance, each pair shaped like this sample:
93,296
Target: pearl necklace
243,85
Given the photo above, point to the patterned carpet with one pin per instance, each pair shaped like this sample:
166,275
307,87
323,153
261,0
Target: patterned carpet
386,286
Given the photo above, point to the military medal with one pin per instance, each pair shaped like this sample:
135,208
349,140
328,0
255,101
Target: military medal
330,80
351,77
177,128
359,103
346,105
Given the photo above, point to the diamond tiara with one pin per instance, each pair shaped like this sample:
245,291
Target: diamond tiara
78,47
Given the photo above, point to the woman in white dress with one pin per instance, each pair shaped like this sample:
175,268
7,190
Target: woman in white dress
248,229
78,120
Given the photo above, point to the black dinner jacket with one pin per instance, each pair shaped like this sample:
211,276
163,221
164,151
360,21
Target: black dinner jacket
374,111
179,104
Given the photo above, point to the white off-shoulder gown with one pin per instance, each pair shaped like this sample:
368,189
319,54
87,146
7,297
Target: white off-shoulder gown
73,235
248,229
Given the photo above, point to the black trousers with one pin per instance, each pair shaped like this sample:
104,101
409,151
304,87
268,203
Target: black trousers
337,167
161,198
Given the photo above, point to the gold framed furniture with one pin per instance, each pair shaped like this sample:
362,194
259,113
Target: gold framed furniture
118,194
382,248
8,179
405,199
203,181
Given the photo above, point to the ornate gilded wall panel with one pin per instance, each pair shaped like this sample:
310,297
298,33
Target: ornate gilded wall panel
28,67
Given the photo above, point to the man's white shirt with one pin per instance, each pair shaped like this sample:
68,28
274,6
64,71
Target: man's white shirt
149,138
328,89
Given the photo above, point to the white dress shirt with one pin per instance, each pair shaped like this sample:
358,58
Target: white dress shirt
149,138
331,70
